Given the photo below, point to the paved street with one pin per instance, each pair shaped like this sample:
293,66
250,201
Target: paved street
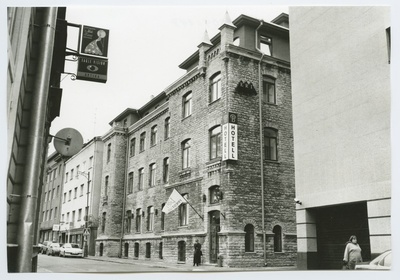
50,264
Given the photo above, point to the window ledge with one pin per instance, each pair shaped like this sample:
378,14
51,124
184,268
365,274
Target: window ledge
184,118
272,161
215,101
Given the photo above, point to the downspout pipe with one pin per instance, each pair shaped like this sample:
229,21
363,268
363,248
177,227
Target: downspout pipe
37,136
260,88
124,194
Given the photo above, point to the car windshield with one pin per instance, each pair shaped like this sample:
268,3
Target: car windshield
75,246
55,245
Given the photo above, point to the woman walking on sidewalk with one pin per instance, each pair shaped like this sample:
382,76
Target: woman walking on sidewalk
352,253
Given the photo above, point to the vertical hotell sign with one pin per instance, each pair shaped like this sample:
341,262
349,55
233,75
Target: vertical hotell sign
230,138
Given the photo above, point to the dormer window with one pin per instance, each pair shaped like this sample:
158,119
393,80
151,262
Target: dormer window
266,45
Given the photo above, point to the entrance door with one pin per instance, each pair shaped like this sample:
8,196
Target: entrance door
182,251
214,219
335,224
126,251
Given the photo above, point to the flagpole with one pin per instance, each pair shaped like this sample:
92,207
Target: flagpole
190,205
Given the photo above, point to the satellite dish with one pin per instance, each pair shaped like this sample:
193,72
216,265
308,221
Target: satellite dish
68,141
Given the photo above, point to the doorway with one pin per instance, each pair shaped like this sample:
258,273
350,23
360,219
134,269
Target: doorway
182,251
214,218
335,224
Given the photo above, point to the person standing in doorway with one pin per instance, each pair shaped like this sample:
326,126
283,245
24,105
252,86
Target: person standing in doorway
352,253
197,253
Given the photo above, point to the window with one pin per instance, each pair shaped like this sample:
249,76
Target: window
103,222
138,220
270,144
66,177
162,217
106,185
166,128
132,147
51,214
72,174
269,94
236,41
55,212
58,191
152,179
150,218
82,187
142,141
80,214
44,217
215,88
128,221
136,250
77,170
65,197
153,136
277,238
73,216
266,45
52,193
45,196
69,195
186,154
148,250
215,194
130,182
215,142
166,170
108,152
75,192
67,217
91,160
249,238
183,212
62,217
187,105
141,178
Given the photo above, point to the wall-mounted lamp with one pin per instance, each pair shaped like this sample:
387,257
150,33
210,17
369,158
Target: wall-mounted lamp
297,200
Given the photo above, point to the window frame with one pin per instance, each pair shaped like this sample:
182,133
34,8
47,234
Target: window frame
183,212
108,152
141,179
132,145
217,138
187,105
186,147
142,143
278,241
249,238
270,148
166,170
167,126
215,87
268,83
153,136
266,45
130,182
152,174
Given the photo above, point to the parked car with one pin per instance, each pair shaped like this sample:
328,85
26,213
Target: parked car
54,249
71,250
382,262
45,246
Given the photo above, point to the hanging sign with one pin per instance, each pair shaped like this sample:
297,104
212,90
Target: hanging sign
230,138
92,69
94,41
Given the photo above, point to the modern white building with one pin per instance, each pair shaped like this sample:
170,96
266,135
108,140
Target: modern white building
340,61
81,195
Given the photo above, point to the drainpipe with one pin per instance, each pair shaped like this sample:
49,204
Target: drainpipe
36,136
261,142
124,198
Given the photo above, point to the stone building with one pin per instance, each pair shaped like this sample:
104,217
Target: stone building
341,111
179,141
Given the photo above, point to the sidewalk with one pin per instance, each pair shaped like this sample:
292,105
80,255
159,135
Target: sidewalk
181,267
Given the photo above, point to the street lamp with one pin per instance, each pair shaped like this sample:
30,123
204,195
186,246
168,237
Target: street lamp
86,231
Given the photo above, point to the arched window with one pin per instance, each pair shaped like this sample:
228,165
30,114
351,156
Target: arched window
215,142
186,145
142,143
269,93
130,182
187,105
166,170
215,87
153,136
270,144
166,128
141,179
277,238
103,222
249,238
132,147
152,177
136,250
148,250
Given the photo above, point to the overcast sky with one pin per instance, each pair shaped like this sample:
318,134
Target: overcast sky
146,45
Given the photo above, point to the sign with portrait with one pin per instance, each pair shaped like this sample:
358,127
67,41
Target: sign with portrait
94,41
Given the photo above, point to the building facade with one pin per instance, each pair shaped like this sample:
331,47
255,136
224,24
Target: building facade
239,189
341,111
81,196
51,198
35,61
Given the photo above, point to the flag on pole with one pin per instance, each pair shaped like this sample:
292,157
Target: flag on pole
174,201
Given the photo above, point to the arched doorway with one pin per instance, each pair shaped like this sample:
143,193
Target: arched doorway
182,251
214,218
